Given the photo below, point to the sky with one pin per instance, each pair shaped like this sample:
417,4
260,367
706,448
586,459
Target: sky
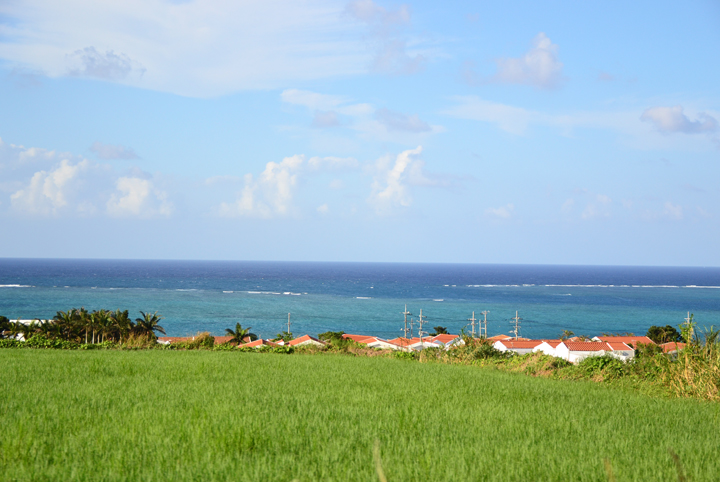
556,132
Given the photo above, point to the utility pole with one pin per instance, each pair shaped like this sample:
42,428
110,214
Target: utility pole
405,330
420,329
288,330
516,321
484,324
472,320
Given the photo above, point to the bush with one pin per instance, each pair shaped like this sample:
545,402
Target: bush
405,355
39,341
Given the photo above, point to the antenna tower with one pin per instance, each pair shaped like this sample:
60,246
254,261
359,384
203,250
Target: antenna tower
516,322
406,330
472,320
421,320
483,326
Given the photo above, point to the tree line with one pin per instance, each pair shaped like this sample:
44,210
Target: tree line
82,326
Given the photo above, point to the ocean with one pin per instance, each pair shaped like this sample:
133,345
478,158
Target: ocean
364,298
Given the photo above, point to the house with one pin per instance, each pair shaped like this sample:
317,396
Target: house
258,343
547,347
621,351
447,340
356,338
630,340
576,351
520,347
305,340
672,347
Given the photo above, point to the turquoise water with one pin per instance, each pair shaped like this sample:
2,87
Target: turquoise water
364,298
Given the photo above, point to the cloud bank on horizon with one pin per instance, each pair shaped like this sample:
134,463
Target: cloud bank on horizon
509,138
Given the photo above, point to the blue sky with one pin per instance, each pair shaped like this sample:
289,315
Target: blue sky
504,132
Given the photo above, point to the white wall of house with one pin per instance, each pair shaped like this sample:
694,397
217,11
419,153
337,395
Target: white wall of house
545,348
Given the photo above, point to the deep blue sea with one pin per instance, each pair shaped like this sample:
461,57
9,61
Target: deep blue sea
364,298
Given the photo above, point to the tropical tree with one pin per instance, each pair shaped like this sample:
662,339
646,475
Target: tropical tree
4,326
148,325
439,330
284,336
663,334
122,324
240,334
566,334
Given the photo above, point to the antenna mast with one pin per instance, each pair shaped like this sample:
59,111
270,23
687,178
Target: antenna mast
472,320
516,321
420,329
483,326
405,330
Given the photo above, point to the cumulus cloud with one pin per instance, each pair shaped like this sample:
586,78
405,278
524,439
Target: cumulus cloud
43,182
392,54
323,209
503,212
668,120
138,197
49,191
110,151
393,178
396,121
88,62
539,67
270,194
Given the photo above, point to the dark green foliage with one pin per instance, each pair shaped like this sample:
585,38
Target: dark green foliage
148,325
606,365
240,335
439,330
405,355
331,336
4,325
284,336
663,334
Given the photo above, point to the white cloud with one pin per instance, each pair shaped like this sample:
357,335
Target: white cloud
673,211
599,207
270,194
392,55
43,182
390,187
138,197
672,119
503,212
539,67
48,192
323,209
88,62
199,49
363,119
110,151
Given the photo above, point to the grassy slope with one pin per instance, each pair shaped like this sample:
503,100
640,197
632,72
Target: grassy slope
199,415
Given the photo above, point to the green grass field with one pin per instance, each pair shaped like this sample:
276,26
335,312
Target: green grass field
201,415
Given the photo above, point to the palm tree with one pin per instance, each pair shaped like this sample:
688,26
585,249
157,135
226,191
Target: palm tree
238,336
148,325
122,324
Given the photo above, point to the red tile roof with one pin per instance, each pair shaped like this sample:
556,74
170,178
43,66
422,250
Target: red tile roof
587,346
303,339
520,344
499,337
357,338
553,343
628,339
619,346
672,346
258,343
444,338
